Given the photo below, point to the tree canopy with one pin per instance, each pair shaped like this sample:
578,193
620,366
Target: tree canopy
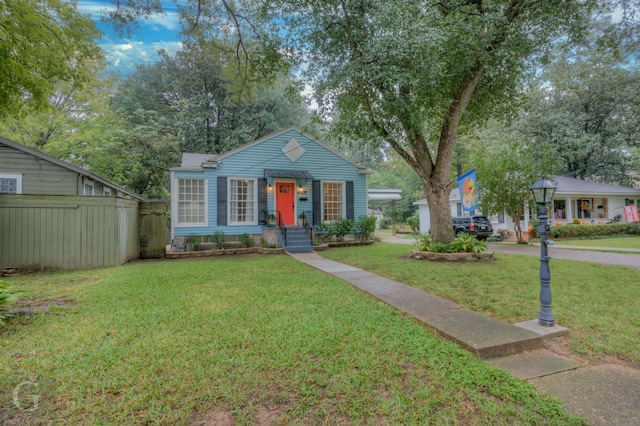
410,74
193,102
42,43
507,165
585,105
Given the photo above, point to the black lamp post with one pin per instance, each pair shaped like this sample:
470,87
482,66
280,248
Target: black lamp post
543,194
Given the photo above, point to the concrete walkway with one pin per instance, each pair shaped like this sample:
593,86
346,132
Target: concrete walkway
604,394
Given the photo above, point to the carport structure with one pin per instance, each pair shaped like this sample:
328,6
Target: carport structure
386,194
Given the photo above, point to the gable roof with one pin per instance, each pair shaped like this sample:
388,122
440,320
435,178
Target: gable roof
72,167
567,185
195,160
190,160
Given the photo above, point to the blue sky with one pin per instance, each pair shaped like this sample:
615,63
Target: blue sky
124,52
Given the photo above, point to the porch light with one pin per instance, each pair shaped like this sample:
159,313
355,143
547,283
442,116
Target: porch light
543,191
301,190
269,187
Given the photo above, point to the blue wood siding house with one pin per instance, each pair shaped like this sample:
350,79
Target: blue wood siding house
274,179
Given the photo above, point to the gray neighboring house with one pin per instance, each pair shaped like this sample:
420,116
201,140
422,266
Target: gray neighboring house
574,199
55,215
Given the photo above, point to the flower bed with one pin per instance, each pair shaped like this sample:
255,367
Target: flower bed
223,252
485,256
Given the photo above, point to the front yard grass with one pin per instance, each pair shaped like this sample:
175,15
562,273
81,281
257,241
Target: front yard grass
244,340
624,242
599,303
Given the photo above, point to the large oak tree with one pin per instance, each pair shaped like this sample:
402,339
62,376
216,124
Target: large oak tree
410,74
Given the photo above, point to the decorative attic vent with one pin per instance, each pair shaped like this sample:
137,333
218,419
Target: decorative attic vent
293,150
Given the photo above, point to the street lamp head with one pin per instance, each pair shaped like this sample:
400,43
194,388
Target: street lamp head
543,191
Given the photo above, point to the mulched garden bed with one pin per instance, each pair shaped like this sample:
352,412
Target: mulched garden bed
485,256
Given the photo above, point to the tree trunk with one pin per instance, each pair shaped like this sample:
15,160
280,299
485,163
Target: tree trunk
517,228
437,194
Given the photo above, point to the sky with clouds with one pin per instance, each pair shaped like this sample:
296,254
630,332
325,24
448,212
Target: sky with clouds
124,52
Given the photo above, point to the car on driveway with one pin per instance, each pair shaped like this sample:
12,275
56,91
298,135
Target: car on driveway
480,226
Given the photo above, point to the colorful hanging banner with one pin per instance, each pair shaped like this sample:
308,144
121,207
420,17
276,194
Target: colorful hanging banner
468,191
631,213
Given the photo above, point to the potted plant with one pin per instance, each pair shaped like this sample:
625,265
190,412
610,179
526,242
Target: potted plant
301,218
503,233
271,221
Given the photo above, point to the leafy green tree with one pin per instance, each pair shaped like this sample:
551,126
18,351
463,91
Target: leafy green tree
410,74
191,102
586,105
395,173
72,108
208,114
506,167
42,45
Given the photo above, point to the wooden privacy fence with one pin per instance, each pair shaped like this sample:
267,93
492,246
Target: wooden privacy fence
67,232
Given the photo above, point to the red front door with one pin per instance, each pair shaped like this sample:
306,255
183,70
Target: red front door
286,202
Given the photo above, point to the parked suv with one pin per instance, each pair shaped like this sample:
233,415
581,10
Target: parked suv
480,226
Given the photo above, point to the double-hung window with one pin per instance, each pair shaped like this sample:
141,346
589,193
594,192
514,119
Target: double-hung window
192,202
242,201
333,201
88,188
10,183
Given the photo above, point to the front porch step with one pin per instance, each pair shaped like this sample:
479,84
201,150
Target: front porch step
298,240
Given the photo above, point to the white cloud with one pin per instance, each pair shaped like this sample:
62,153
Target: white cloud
93,7
170,21
141,47
123,57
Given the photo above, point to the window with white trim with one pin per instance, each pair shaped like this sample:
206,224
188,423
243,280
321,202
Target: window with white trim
242,201
192,202
88,188
10,183
332,200
106,191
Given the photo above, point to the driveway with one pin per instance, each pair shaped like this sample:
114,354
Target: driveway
620,259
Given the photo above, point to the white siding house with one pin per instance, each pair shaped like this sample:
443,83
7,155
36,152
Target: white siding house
575,198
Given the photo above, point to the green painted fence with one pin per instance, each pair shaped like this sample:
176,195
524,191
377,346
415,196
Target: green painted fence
67,232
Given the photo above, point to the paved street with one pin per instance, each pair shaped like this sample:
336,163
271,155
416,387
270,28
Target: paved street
631,260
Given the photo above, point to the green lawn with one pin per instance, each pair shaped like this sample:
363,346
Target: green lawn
248,339
627,242
599,303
